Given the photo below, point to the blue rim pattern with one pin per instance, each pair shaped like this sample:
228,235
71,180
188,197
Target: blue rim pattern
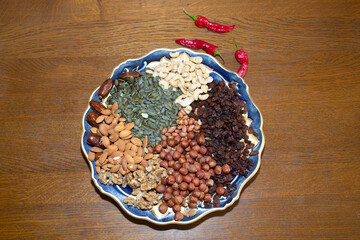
219,73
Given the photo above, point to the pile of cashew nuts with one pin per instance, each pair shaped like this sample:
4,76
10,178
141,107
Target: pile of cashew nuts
186,73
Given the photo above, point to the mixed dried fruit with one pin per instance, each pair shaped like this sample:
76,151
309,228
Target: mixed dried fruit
172,135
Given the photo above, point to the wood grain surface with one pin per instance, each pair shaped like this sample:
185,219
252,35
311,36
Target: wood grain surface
304,68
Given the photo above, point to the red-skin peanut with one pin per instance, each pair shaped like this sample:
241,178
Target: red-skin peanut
207,159
179,148
207,197
192,205
162,155
177,139
193,143
163,131
184,194
188,149
170,203
158,148
184,143
176,155
196,148
202,160
176,208
175,173
183,134
190,135
169,189
192,175
193,154
187,179
178,199
165,164
196,193
163,208
217,170
167,196
163,144
212,163
170,180
207,175
176,192
202,150
210,182
183,171
168,157
202,195
170,170
175,186
192,168
150,149
202,181
200,174
177,166
186,165
193,199
196,181
211,171
198,166
171,142
183,186
202,187
178,216
182,160
160,188
226,168
179,178
163,180
191,186
220,190
200,139
206,167
171,163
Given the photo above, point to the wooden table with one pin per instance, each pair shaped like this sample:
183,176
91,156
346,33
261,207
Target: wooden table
303,75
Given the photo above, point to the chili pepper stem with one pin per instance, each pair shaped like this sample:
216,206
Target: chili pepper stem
192,16
217,53
237,48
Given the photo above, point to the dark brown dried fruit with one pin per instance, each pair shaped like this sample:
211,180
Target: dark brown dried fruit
91,118
95,140
97,106
105,88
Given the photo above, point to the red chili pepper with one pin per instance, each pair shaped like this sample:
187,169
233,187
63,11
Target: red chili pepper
200,44
203,22
242,57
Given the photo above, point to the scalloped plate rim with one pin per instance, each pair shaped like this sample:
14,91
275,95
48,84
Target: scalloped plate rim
210,210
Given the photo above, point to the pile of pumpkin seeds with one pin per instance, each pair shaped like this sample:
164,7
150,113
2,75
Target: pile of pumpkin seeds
143,101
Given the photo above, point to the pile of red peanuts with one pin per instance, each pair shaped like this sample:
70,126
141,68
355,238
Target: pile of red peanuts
182,153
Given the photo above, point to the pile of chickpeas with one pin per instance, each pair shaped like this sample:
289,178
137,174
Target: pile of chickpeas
183,155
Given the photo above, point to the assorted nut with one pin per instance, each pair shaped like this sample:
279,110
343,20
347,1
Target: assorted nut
195,149
184,72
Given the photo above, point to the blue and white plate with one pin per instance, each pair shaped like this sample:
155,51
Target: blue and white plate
219,73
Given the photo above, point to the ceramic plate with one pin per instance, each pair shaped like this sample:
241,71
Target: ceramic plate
219,73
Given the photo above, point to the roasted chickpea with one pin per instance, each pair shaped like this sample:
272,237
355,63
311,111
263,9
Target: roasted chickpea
212,163
182,160
150,149
184,194
192,205
196,193
170,170
163,180
192,168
